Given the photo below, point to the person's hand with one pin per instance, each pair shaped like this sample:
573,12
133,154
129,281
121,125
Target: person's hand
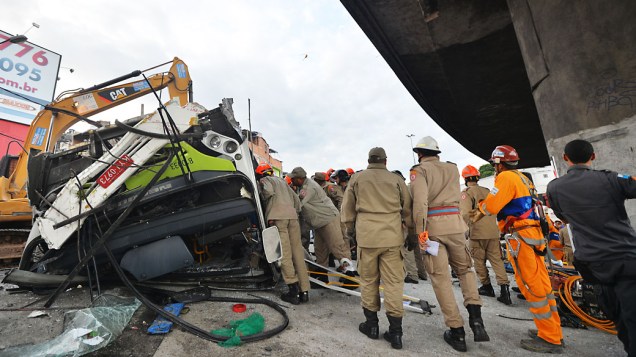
422,241
478,216
271,223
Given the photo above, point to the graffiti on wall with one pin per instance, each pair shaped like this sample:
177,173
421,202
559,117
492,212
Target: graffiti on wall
613,92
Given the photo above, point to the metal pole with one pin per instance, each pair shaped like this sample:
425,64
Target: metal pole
249,119
410,136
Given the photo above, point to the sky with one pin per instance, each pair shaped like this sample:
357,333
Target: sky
321,94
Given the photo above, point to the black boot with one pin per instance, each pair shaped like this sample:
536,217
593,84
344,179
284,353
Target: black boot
476,323
486,290
504,296
370,327
303,296
292,295
456,337
394,335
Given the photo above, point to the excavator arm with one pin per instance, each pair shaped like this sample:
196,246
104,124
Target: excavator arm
59,116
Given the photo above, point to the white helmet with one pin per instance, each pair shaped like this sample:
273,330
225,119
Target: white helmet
427,143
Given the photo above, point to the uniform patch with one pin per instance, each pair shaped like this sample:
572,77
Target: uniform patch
463,196
413,176
302,194
494,191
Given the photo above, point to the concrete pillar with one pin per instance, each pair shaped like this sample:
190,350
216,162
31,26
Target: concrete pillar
581,63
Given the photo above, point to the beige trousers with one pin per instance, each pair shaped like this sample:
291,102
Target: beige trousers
292,264
329,239
453,252
375,264
409,263
488,249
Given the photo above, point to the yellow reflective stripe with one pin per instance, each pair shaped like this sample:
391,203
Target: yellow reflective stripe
543,316
538,304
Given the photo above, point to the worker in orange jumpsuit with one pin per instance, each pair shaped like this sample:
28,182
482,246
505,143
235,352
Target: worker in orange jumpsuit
554,242
512,200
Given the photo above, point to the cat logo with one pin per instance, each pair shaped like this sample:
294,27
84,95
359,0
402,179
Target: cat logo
115,94
118,93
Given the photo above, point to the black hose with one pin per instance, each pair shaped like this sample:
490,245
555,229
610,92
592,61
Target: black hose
102,240
192,328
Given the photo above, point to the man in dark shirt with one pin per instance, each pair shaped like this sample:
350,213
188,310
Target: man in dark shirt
603,239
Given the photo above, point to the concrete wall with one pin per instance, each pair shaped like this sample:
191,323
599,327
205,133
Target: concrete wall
581,63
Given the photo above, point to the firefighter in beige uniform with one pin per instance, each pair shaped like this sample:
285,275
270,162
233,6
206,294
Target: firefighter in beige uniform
331,189
281,210
335,192
436,194
483,237
378,202
323,217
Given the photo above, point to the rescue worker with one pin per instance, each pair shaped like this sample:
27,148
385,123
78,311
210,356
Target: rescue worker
341,180
305,231
281,210
556,248
330,188
335,192
483,237
379,204
436,195
324,218
564,238
604,240
513,200
328,174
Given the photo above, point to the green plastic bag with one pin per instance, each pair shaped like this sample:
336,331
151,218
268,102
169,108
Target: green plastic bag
253,324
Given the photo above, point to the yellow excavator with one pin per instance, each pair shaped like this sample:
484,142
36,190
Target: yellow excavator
57,117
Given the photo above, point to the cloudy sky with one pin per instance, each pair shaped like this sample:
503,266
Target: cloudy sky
320,93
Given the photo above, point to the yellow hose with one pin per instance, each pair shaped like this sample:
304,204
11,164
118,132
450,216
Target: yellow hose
565,291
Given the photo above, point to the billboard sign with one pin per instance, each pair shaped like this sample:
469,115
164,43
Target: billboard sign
28,74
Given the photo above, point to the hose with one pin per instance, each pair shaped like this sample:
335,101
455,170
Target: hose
357,283
565,291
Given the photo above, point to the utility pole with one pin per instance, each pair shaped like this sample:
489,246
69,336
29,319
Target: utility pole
410,136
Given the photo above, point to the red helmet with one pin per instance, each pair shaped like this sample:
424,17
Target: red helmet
504,153
329,172
288,179
263,168
350,171
469,171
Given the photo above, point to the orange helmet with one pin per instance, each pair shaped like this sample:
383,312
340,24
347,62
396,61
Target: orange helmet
469,171
350,171
504,153
288,179
329,172
263,168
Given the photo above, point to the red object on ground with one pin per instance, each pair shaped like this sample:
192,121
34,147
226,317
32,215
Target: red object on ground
239,308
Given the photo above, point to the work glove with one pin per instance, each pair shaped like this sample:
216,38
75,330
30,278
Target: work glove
411,242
